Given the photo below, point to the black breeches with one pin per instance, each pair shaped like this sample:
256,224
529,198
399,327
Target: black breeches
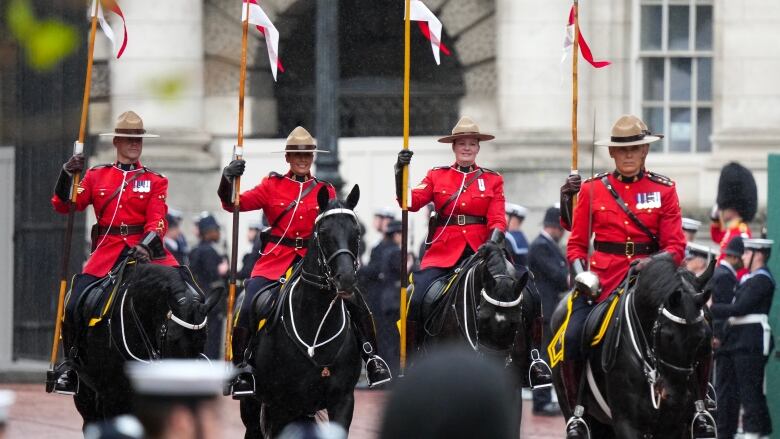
573,338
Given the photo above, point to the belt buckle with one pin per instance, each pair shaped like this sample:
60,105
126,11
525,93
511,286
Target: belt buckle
298,243
630,249
461,220
123,230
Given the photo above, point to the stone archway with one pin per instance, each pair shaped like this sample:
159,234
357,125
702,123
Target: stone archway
465,82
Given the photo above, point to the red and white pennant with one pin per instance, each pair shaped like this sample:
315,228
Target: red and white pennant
430,26
568,42
259,18
97,9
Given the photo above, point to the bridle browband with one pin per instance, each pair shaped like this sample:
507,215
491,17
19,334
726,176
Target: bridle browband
323,261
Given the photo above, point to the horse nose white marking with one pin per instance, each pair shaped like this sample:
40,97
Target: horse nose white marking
500,317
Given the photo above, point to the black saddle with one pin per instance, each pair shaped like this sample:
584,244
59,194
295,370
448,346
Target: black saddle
436,290
99,297
278,297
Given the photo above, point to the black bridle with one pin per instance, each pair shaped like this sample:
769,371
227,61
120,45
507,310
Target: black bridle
326,281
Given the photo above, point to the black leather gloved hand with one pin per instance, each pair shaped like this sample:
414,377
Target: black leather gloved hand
234,169
572,185
404,158
75,164
642,263
141,254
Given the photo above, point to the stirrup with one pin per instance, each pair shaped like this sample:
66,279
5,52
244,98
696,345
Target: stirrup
537,361
707,419
57,386
576,420
241,393
381,366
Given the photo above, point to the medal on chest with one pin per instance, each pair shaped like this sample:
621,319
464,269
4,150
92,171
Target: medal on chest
648,200
142,186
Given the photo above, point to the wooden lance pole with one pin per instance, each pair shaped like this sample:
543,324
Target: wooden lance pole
575,55
78,148
238,153
405,190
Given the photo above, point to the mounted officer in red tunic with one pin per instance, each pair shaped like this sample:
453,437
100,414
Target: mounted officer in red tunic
469,205
289,201
634,216
129,203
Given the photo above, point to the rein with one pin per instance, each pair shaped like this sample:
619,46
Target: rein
646,352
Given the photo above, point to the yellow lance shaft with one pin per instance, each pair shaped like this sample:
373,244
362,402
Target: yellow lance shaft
237,155
575,55
77,149
405,190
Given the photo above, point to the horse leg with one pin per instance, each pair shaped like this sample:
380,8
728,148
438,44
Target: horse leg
341,411
624,430
87,405
275,418
250,416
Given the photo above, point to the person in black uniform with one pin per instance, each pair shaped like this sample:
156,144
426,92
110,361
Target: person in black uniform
174,239
745,347
516,242
551,277
209,268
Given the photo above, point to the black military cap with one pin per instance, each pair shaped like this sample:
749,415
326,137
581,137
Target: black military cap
735,247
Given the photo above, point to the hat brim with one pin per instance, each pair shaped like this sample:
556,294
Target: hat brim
454,137
644,141
145,135
283,151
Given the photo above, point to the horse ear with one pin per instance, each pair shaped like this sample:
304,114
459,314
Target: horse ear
703,297
353,197
212,300
323,198
701,280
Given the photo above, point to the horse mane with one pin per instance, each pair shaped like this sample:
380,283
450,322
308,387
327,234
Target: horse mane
659,279
155,278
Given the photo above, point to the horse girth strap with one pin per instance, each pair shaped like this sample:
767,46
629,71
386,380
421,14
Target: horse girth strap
624,207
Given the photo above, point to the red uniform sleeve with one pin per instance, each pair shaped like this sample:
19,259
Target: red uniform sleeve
579,241
83,199
253,199
670,226
496,213
157,209
716,232
422,194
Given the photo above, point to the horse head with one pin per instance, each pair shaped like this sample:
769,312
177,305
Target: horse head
499,314
184,334
337,240
671,304
170,312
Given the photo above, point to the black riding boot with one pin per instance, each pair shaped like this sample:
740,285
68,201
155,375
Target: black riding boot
571,373
377,370
539,373
67,380
703,424
244,383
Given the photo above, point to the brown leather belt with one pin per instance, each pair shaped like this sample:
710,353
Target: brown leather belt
296,243
628,248
122,230
461,220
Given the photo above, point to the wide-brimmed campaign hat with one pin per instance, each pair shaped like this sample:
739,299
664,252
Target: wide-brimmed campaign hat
466,128
129,124
300,140
629,130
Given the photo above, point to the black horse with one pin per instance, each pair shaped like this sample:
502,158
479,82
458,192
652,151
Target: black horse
484,308
309,359
154,314
639,381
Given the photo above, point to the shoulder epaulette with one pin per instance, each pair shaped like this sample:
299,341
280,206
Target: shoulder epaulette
490,171
275,174
154,172
104,165
598,176
661,179
440,167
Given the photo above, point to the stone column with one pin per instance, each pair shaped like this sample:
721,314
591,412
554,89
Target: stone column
326,124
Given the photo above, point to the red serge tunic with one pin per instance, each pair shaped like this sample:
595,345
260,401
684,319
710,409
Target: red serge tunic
142,202
484,197
274,193
651,197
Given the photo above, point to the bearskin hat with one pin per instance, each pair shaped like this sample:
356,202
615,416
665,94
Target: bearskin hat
737,190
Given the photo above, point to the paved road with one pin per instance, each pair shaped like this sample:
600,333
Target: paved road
37,414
